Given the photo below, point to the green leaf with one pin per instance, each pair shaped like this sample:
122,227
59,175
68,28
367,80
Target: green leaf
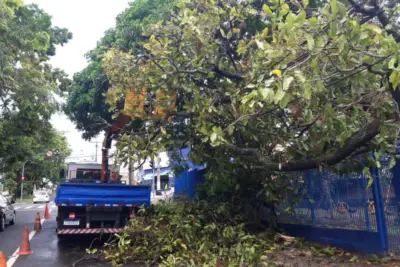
314,65
213,137
284,10
334,7
230,130
332,29
267,10
394,78
285,100
299,76
378,164
260,44
310,42
354,259
267,94
290,20
222,33
307,91
313,21
392,162
279,95
370,181
287,80
301,17
241,47
392,61
265,33
374,28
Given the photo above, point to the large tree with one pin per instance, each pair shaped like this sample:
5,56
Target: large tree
28,83
86,103
273,85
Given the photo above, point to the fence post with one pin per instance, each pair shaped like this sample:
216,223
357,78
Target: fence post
365,201
309,192
379,207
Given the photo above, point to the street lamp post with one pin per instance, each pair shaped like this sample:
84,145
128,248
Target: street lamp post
48,153
22,179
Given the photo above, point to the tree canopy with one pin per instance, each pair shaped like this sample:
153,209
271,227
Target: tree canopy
274,86
86,103
28,85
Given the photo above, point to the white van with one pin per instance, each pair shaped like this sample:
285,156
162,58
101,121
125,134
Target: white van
41,196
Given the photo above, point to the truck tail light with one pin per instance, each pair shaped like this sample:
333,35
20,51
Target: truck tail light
71,216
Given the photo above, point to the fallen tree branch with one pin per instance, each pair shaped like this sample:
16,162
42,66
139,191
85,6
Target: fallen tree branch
363,136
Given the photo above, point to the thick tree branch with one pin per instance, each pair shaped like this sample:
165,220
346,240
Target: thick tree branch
375,11
383,19
377,72
365,135
232,76
363,9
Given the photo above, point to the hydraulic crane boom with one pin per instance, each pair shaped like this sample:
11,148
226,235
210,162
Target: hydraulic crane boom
112,131
105,173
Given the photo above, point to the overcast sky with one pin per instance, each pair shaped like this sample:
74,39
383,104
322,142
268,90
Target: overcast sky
87,20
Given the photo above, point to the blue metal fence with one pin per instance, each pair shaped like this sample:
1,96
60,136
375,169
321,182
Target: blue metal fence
186,183
342,210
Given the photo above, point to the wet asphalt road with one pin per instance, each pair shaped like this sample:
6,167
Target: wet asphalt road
11,237
48,250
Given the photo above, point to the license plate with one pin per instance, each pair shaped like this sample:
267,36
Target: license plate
71,222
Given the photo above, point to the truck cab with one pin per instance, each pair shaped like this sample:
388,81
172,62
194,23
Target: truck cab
89,172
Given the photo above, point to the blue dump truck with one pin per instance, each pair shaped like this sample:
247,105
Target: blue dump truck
88,205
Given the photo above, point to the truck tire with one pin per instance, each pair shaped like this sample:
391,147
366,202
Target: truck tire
2,223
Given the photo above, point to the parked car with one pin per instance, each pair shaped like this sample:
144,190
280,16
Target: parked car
41,196
7,213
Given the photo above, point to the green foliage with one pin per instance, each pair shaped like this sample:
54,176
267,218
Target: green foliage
375,259
27,87
182,233
250,193
310,84
86,103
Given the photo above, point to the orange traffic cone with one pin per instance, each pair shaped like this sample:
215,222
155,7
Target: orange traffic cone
3,262
25,247
46,213
38,225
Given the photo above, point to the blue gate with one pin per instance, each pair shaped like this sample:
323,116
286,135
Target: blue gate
345,211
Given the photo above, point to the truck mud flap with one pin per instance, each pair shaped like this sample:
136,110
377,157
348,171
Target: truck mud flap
88,231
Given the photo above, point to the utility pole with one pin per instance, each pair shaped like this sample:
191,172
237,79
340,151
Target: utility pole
97,146
130,170
23,179
153,184
158,173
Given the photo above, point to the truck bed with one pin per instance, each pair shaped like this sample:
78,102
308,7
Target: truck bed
98,195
